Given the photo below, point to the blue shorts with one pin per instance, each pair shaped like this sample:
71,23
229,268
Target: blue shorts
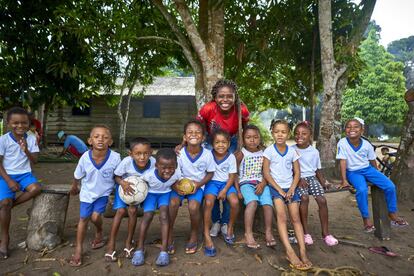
154,201
248,192
275,194
118,202
214,187
24,180
198,196
98,206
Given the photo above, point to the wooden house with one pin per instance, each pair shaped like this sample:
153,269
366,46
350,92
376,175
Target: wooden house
168,103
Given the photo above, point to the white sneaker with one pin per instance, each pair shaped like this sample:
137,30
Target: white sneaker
215,229
224,229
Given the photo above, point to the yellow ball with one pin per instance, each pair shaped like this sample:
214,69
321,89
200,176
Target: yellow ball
186,186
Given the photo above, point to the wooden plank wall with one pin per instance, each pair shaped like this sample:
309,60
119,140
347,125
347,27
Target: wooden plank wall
175,111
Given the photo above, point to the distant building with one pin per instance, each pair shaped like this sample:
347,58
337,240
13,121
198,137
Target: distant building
160,115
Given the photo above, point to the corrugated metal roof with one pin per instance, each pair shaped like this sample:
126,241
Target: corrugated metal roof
164,86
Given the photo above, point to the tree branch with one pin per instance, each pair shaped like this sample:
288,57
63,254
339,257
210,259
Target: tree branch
184,43
362,22
158,38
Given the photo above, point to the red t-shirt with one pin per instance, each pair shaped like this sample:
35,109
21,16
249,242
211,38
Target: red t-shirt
213,119
38,126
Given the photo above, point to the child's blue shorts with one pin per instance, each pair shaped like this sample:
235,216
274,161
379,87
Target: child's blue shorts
198,196
118,202
154,201
24,180
98,206
248,192
214,187
275,194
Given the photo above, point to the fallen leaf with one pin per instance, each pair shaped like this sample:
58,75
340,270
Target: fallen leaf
119,263
258,258
193,263
26,259
275,266
45,260
362,256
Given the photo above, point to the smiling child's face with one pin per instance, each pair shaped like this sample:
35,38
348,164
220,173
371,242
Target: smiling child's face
141,153
194,135
166,167
221,144
18,124
353,129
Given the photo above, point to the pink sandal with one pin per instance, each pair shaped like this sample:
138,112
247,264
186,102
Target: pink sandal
308,239
330,240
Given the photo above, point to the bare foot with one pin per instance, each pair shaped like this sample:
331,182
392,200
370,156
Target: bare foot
250,241
270,239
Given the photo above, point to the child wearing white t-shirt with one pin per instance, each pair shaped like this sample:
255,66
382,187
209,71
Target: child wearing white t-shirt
17,152
358,165
160,179
221,187
95,174
281,170
197,164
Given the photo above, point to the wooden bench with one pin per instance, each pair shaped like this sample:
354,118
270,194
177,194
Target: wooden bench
379,213
47,217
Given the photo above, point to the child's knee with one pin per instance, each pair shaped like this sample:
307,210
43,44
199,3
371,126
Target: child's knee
304,199
295,220
132,211
321,200
96,217
194,207
148,216
164,217
6,204
209,204
174,203
234,202
252,205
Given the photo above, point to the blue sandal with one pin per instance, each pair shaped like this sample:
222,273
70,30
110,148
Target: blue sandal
138,258
229,240
163,259
210,251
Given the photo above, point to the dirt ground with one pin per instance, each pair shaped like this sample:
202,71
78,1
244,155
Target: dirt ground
345,223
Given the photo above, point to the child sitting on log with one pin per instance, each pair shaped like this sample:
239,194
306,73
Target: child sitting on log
17,152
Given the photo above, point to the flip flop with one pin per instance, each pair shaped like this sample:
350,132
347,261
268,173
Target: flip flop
301,267
110,257
369,228
271,243
399,223
4,255
229,240
191,248
383,251
128,252
253,245
96,244
74,262
210,251
163,259
171,249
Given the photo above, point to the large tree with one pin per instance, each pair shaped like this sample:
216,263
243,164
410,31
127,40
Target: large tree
378,95
337,60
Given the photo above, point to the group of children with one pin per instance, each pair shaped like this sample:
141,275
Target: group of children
273,177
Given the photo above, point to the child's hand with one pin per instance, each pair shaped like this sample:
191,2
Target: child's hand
289,194
344,184
327,185
13,185
197,186
23,144
259,189
174,187
74,190
281,192
222,195
302,183
126,186
240,195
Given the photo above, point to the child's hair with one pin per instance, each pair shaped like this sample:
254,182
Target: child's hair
16,110
223,83
195,122
255,128
101,126
385,149
305,124
166,153
139,141
276,122
354,120
221,132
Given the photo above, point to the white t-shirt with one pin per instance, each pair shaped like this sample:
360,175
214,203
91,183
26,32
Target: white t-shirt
251,166
128,167
158,185
15,161
224,167
281,165
309,160
196,168
356,158
96,180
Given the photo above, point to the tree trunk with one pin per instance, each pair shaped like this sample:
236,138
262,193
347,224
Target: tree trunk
329,126
312,82
403,171
44,124
47,217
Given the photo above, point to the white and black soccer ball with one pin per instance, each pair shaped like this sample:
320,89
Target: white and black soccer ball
140,187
